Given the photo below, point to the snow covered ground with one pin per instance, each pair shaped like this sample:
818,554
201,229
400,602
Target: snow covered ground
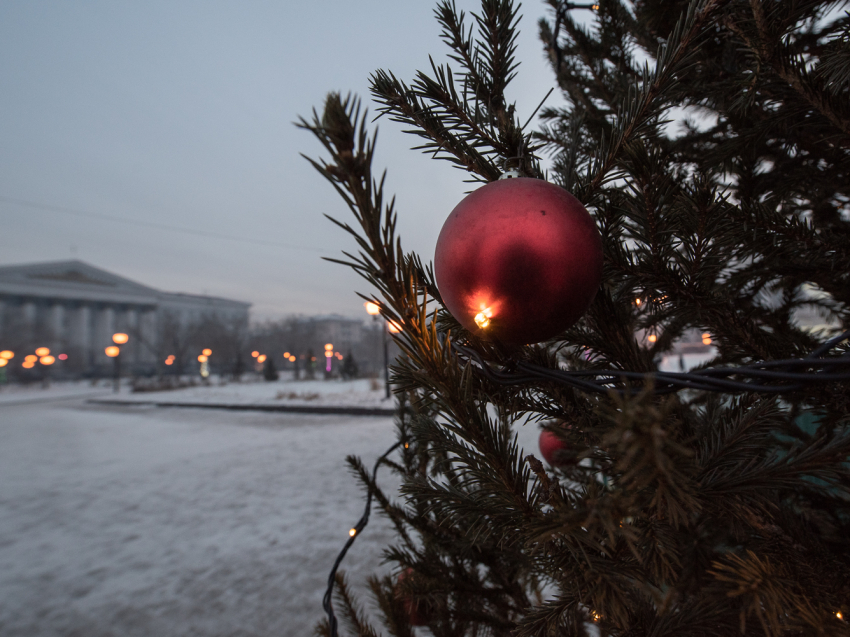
138,521
362,392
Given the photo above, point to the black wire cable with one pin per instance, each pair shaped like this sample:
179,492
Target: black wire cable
602,381
327,602
773,376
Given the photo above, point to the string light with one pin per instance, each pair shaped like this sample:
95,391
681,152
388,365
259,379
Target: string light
764,377
596,616
482,319
652,338
839,615
327,601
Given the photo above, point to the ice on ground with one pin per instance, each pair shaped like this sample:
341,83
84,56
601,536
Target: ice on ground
146,521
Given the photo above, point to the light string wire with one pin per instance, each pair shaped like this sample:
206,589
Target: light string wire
327,602
764,377
602,381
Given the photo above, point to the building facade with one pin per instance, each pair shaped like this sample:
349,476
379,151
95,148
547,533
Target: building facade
74,308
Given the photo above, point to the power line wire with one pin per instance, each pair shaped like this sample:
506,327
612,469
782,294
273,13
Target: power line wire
151,224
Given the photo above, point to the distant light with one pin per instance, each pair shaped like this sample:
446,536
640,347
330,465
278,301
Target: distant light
706,341
338,355
328,354
261,358
652,338
839,615
120,338
202,359
255,353
328,346
28,364
638,301
372,309
291,359
30,358
42,351
47,360
112,351
207,352
393,327
169,361
4,362
352,532
63,357
7,354
286,354
170,357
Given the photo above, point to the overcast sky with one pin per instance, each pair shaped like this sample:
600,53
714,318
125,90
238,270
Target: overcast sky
181,114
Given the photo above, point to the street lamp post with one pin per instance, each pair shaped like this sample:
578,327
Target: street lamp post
374,310
113,351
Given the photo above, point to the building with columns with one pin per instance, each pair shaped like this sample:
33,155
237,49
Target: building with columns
74,308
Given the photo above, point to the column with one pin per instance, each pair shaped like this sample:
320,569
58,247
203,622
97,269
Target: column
56,325
104,328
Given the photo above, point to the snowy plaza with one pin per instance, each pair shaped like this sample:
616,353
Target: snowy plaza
138,520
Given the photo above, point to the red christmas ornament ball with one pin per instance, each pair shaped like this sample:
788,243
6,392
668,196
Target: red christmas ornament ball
518,260
417,612
550,444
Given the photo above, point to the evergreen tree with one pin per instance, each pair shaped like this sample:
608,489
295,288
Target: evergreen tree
690,513
270,370
349,367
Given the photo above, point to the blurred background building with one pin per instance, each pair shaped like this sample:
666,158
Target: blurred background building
74,308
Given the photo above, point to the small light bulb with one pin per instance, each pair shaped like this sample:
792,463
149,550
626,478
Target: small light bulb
406,445
595,7
481,320
352,532
839,615
652,338
596,616
638,301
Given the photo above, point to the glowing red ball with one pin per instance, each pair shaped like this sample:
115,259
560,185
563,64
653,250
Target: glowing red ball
518,261
550,444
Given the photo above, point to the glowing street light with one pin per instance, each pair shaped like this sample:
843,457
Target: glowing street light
119,338
112,351
261,358
4,362
42,351
395,328
28,364
47,360
7,354
30,358
207,352
255,354
373,309
203,358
